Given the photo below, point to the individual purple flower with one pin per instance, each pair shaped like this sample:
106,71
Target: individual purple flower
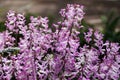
88,35
1,41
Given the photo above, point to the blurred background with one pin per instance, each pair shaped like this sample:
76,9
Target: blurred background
100,14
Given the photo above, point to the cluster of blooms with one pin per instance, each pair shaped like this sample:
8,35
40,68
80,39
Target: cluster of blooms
56,55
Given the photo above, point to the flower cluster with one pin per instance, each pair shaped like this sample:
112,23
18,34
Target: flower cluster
43,54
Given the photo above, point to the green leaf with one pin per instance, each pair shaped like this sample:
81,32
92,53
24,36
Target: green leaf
2,27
